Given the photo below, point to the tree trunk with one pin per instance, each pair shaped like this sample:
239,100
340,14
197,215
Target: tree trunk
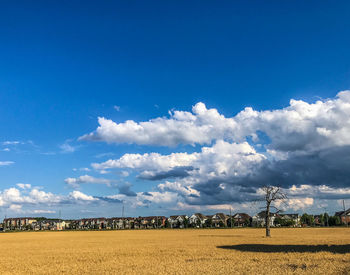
267,220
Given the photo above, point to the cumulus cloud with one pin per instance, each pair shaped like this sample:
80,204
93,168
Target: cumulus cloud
300,126
222,158
14,198
125,189
152,161
208,175
79,196
231,172
34,196
297,204
177,172
304,148
201,126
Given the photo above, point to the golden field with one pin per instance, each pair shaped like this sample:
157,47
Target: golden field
210,251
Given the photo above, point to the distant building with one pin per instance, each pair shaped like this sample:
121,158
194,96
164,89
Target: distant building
344,216
259,220
197,220
21,223
178,221
219,220
241,219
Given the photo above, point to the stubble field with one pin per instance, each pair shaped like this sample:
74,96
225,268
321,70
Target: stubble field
210,251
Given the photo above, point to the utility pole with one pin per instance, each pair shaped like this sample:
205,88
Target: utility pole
123,216
59,220
345,217
231,216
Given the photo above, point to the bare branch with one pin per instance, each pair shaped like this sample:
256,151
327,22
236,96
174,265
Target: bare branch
271,195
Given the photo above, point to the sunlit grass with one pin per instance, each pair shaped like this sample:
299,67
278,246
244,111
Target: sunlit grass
213,251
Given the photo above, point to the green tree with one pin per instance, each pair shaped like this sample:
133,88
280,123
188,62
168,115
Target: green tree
208,223
307,219
167,224
326,219
185,222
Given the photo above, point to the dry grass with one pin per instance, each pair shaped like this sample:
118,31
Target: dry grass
224,251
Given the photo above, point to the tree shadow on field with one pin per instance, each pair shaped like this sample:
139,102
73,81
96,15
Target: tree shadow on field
275,248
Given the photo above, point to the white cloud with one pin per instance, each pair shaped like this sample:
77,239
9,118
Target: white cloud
222,162
11,142
116,107
6,163
86,179
297,204
24,185
319,191
300,126
124,173
237,153
77,195
39,196
152,161
85,169
67,148
220,159
22,200
202,126
33,196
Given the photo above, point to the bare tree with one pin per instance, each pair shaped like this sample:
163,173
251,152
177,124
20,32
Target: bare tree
271,195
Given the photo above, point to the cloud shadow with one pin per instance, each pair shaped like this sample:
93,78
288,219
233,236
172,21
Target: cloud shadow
274,248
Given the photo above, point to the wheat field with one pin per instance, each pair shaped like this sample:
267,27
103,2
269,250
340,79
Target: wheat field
210,251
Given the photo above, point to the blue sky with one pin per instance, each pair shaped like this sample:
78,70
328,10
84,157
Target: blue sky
64,64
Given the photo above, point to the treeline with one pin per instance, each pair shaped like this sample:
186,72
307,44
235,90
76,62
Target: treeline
320,220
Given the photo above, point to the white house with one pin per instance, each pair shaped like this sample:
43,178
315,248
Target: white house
259,219
197,220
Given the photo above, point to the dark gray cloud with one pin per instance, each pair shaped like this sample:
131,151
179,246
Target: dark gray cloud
109,199
125,190
329,167
177,172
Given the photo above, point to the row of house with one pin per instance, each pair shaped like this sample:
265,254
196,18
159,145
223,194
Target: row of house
276,219
196,220
30,223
